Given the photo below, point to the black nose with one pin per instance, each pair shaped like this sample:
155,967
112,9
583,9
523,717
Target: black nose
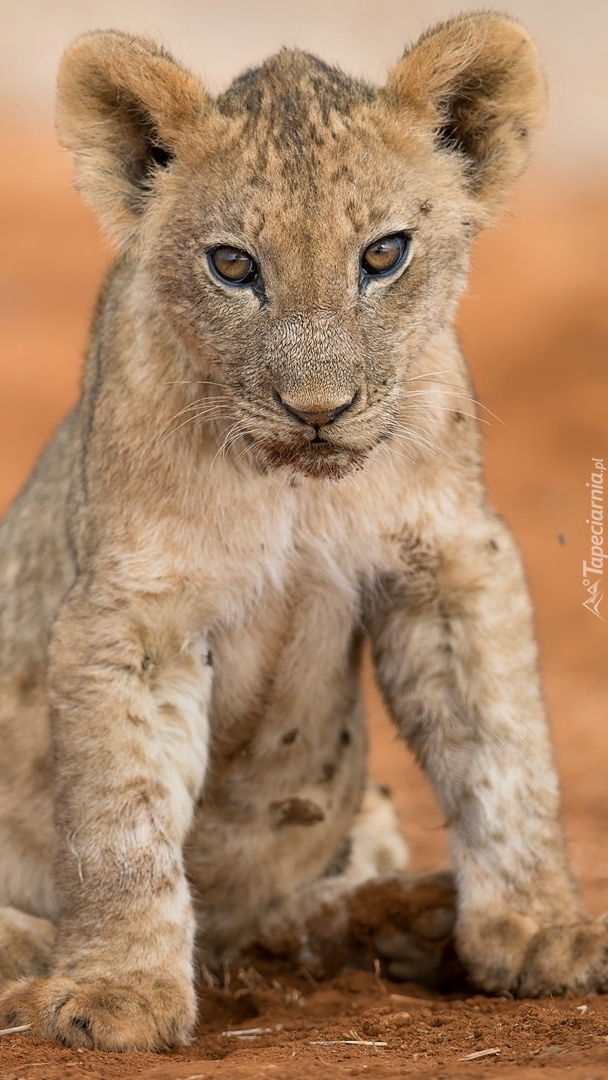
315,417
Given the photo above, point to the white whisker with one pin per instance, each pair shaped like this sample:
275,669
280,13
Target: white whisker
459,389
188,420
402,451
449,409
221,450
430,374
197,382
418,439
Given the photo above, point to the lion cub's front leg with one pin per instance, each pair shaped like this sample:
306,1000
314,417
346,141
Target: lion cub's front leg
456,659
130,698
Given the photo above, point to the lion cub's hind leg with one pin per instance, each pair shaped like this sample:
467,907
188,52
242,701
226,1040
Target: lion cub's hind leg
368,908
26,943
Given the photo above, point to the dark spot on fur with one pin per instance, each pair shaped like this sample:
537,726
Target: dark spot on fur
345,737
82,1023
241,750
135,719
385,790
29,683
209,658
426,207
493,546
160,156
297,811
458,416
146,663
290,736
329,771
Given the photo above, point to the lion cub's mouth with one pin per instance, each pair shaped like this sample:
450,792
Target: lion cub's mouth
317,457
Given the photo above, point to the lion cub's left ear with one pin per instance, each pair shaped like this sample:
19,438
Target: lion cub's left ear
476,80
125,109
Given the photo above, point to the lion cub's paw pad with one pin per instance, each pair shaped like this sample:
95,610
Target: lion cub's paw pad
97,1015
413,957
408,922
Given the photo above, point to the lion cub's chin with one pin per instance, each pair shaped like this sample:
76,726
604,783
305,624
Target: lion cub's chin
318,460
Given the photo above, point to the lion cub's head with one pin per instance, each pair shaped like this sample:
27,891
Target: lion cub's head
304,233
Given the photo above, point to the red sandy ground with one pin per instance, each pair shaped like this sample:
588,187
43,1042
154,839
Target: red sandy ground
535,328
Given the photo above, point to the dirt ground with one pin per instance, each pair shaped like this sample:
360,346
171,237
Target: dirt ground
535,328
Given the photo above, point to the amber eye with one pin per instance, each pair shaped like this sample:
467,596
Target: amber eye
385,254
233,265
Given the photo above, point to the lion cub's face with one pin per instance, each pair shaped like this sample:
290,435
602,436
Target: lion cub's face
308,258
304,234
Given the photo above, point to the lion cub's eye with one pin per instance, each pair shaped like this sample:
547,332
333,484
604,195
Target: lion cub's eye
385,254
233,265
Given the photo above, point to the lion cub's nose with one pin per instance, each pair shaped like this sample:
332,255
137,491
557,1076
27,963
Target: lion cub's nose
316,417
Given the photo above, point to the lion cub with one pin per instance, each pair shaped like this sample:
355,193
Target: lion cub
274,458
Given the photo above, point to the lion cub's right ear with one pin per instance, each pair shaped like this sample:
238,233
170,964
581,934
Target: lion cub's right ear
125,108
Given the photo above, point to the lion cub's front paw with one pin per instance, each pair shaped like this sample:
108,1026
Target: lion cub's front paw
560,958
98,1015
514,953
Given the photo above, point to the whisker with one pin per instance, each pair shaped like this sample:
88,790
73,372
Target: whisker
405,443
406,429
402,450
231,436
461,389
450,409
221,448
430,374
160,441
240,456
417,439
197,382
202,401
188,420
221,399
230,440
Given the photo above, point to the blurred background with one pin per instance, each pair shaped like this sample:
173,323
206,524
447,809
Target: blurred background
534,324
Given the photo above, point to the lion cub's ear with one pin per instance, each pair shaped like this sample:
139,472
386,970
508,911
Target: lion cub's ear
476,80
124,107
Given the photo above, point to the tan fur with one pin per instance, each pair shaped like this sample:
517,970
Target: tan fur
187,581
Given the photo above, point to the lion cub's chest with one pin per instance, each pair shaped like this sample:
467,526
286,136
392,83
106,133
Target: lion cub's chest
288,740
285,713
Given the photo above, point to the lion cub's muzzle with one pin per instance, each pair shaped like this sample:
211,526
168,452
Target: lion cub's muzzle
312,438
